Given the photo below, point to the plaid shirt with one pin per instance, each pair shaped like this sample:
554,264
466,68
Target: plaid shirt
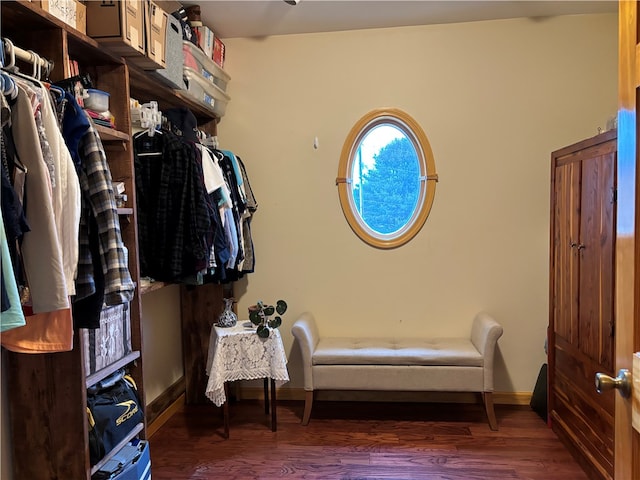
173,219
98,201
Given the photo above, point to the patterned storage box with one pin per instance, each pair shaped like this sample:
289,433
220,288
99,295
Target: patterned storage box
110,342
172,75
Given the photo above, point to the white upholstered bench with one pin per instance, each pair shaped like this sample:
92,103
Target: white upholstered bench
399,364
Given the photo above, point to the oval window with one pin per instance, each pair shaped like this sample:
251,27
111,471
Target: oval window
386,178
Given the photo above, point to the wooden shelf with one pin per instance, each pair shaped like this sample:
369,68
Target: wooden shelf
132,434
16,14
144,91
111,135
105,372
152,287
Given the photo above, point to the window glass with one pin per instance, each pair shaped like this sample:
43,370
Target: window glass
386,179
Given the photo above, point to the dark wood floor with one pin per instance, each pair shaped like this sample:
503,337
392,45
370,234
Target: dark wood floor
358,441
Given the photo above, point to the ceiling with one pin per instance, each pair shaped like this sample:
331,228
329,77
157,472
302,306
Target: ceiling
260,18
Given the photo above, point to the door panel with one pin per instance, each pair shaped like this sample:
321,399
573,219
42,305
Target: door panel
627,299
596,259
566,228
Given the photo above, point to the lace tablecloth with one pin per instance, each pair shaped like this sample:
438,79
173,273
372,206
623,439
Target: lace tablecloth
237,353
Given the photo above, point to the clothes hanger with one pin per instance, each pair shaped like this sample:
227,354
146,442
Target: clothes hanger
56,90
150,118
210,141
2,54
7,49
37,65
41,66
12,69
9,87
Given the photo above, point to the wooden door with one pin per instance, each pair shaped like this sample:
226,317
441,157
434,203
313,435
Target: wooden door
627,299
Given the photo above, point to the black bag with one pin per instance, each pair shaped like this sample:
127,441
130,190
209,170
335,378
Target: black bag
539,397
187,32
113,410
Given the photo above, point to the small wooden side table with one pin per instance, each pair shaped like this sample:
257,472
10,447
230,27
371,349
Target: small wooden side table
237,353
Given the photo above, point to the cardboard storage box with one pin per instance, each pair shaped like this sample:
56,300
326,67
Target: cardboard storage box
134,29
110,342
156,39
71,12
205,40
118,25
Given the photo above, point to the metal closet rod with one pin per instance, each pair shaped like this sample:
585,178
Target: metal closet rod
29,56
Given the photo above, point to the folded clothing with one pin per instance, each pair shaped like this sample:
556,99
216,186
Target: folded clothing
105,118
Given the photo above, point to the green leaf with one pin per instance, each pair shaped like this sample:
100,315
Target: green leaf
281,307
262,331
276,322
268,310
254,316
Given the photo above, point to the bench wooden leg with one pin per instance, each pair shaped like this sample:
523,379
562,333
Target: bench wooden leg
308,403
487,398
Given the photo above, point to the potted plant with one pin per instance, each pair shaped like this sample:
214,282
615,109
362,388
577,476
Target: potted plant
260,314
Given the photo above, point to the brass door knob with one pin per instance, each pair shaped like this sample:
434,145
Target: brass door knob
622,382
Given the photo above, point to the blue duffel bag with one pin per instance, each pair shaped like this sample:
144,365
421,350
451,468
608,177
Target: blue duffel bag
114,410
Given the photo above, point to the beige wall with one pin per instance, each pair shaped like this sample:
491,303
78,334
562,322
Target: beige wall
495,98
162,346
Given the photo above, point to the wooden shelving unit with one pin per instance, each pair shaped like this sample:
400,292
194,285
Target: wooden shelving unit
47,392
105,372
134,432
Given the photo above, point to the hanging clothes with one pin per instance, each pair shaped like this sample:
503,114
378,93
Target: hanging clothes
42,253
248,263
66,193
15,222
12,316
74,248
103,268
75,125
193,207
232,217
49,325
173,212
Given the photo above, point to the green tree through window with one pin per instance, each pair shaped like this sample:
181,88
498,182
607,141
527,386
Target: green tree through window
387,193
